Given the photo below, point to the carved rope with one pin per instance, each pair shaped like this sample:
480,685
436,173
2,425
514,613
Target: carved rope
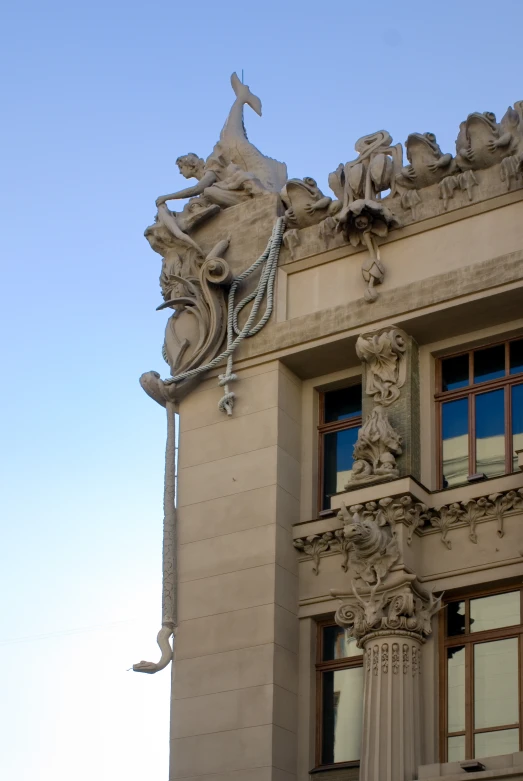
169,554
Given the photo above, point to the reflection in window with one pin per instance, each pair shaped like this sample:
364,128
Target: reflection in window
456,748
342,715
340,421
490,433
495,611
340,680
493,744
455,618
482,676
480,401
455,372
516,357
336,644
489,364
338,461
456,688
455,428
342,404
517,423
495,673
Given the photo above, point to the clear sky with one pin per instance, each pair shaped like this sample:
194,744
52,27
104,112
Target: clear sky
98,99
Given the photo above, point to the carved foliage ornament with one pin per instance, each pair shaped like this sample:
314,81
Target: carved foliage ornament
384,353
415,515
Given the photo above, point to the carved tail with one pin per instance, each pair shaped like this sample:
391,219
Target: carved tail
170,585
244,95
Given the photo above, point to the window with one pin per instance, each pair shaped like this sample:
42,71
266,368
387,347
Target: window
481,676
339,689
480,412
340,421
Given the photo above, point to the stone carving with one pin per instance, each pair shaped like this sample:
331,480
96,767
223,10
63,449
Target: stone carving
359,185
395,658
236,170
385,657
313,546
376,449
427,165
374,548
384,353
305,203
415,515
388,612
193,286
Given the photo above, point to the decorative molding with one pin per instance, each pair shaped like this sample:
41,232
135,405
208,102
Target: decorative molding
314,545
384,353
395,658
405,510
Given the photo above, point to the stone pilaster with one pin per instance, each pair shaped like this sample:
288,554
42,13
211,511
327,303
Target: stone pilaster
391,735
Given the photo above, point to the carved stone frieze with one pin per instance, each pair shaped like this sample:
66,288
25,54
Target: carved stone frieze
384,353
405,510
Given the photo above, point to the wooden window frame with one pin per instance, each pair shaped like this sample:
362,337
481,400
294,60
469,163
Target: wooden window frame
332,665
327,428
469,639
470,392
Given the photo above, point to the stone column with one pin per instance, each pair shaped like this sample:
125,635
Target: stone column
390,624
391,735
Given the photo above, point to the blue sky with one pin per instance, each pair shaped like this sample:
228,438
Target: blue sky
99,99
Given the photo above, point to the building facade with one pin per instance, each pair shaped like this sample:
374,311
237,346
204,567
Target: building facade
343,574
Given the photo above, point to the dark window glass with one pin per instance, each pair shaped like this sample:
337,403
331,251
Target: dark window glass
342,715
343,404
337,461
517,423
490,432
336,644
455,372
455,618
455,450
489,364
516,357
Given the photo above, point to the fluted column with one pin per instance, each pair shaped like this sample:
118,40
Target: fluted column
391,736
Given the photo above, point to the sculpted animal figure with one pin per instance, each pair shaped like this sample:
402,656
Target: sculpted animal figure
374,549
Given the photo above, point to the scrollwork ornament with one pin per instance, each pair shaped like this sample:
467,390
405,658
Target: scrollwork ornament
384,353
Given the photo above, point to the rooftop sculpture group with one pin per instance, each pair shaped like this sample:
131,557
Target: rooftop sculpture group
373,194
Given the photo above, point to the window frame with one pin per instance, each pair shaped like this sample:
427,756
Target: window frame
322,667
469,392
327,428
469,640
